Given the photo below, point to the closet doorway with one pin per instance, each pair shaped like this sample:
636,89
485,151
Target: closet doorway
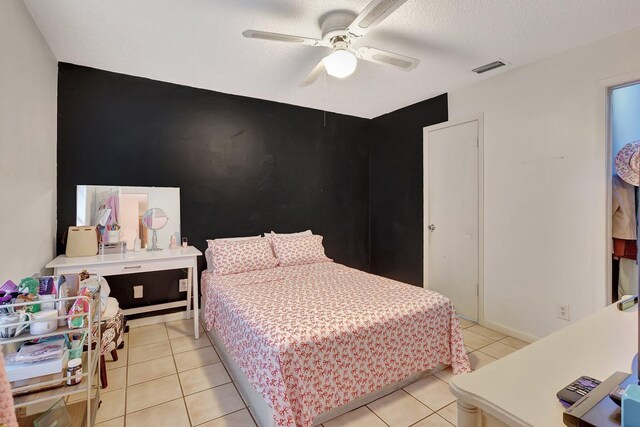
452,213
625,157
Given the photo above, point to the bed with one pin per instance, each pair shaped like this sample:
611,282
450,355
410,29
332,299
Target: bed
312,338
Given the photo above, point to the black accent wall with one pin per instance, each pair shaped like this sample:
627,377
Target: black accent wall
397,189
247,166
244,166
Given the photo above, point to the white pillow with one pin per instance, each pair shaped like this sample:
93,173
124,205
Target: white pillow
239,238
301,233
208,255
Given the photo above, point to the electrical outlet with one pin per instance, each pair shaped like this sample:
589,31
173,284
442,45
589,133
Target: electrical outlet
564,312
184,283
137,291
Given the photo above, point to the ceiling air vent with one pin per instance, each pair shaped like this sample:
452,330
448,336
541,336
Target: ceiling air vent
489,67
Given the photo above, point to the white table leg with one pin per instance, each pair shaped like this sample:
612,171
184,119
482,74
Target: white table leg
196,316
189,274
467,415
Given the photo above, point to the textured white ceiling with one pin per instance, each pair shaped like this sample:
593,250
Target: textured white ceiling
199,43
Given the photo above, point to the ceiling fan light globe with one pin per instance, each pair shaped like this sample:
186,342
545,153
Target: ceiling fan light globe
341,63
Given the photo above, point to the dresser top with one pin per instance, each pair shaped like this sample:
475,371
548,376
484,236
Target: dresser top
129,256
522,386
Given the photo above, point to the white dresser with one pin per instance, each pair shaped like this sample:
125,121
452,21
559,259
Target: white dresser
140,262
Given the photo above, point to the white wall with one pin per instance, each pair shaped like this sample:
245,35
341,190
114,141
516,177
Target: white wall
28,91
545,183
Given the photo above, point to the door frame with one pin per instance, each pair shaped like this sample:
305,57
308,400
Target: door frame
604,133
425,220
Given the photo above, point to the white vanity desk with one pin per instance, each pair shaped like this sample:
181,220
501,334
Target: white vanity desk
140,262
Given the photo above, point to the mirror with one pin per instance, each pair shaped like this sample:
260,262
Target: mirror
154,219
125,206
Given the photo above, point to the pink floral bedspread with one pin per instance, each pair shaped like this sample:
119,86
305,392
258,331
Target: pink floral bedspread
311,338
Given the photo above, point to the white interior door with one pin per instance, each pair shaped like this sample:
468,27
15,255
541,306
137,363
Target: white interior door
452,214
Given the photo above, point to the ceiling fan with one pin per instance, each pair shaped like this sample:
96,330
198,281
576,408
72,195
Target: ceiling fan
339,30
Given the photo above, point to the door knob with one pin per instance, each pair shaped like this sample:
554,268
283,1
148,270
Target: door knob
431,227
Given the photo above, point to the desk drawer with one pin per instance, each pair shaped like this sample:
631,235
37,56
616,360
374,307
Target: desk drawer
112,269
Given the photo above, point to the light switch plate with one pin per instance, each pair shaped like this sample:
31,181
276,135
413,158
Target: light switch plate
137,291
184,283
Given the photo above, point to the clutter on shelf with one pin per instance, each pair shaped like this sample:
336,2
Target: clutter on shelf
58,312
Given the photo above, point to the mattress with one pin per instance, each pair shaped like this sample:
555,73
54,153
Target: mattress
314,337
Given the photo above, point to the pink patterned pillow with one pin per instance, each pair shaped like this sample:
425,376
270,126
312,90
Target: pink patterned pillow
297,250
239,256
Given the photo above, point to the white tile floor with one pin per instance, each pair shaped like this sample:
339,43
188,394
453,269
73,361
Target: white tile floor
164,377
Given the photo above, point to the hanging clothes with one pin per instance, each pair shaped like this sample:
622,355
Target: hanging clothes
627,278
625,249
623,221
623,225
113,203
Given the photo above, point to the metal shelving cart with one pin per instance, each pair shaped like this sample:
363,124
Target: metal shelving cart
52,388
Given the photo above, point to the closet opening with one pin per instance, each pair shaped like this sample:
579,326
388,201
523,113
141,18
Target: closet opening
625,165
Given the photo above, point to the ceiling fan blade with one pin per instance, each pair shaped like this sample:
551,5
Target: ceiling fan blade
314,74
265,35
379,56
372,15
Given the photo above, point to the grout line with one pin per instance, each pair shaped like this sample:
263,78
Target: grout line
154,379
153,406
155,325
199,367
145,361
246,406
488,329
490,355
443,418
222,416
422,419
148,381
372,411
481,347
151,343
420,402
510,344
210,388
123,389
438,413
255,423
438,378
237,391
429,407
184,401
